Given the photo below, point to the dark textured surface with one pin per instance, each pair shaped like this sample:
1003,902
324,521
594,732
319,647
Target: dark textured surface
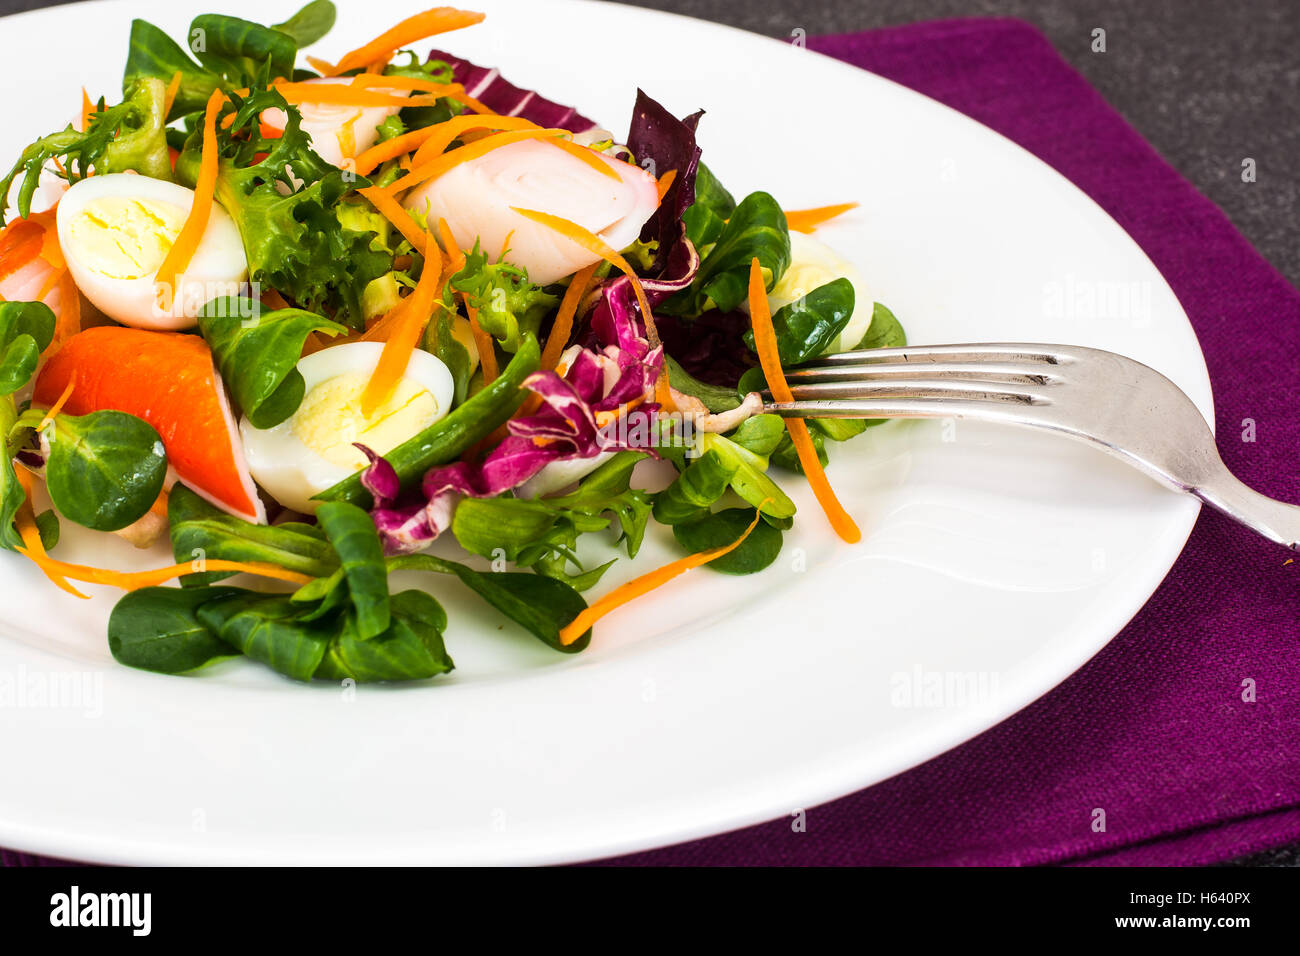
1207,83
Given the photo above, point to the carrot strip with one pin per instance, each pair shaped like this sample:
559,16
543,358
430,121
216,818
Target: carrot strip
392,210
59,403
132,580
645,584
769,358
665,183
416,308
25,519
20,242
390,149
442,134
87,108
487,354
411,30
590,157
597,246
68,321
298,93
451,91
806,220
191,234
562,328
173,87
436,167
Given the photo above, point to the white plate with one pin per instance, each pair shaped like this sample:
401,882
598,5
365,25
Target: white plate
995,557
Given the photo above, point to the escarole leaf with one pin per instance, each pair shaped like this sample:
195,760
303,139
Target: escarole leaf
258,356
508,304
26,330
105,469
238,49
810,324
157,629
128,137
309,24
200,531
541,605
757,227
285,200
716,530
353,535
152,53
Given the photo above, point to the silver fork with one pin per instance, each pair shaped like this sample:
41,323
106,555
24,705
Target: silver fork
1114,403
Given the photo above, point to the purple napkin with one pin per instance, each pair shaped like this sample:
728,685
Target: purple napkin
1154,730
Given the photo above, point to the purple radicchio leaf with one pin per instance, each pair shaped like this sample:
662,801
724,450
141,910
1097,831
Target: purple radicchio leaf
661,142
488,87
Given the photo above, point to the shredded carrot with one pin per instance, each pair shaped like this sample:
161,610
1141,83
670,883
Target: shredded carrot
25,519
391,149
441,135
58,405
68,321
562,328
646,583
760,314
22,241
191,234
451,91
806,220
87,108
597,246
331,95
173,87
323,67
132,580
392,210
411,30
439,165
416,309
665,183
487,355
590,157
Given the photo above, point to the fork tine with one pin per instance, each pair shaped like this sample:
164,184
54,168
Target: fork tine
910,407
992,371
921,388
919,354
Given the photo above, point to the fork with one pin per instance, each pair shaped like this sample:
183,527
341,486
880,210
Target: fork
1112,402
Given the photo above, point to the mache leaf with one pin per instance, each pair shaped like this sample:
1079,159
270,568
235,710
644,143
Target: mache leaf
157,629
105,470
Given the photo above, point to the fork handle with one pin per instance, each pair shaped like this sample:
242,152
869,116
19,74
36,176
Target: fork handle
1275,520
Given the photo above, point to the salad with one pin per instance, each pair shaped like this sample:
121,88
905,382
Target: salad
302,320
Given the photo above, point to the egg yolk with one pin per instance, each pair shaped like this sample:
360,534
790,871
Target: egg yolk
125,238
330,418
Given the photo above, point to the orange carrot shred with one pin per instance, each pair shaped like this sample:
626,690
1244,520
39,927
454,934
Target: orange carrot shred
590,157
25,519
646,583
439,165
806,220
392,210
411,30
173,87
58,405
416,308
87,108
760,315
191,234
562,328
132,580
597,246
665,183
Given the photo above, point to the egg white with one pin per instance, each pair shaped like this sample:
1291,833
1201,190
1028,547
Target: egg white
289,470
219,266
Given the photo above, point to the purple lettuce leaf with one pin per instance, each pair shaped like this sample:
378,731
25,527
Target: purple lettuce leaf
661,142
487,86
